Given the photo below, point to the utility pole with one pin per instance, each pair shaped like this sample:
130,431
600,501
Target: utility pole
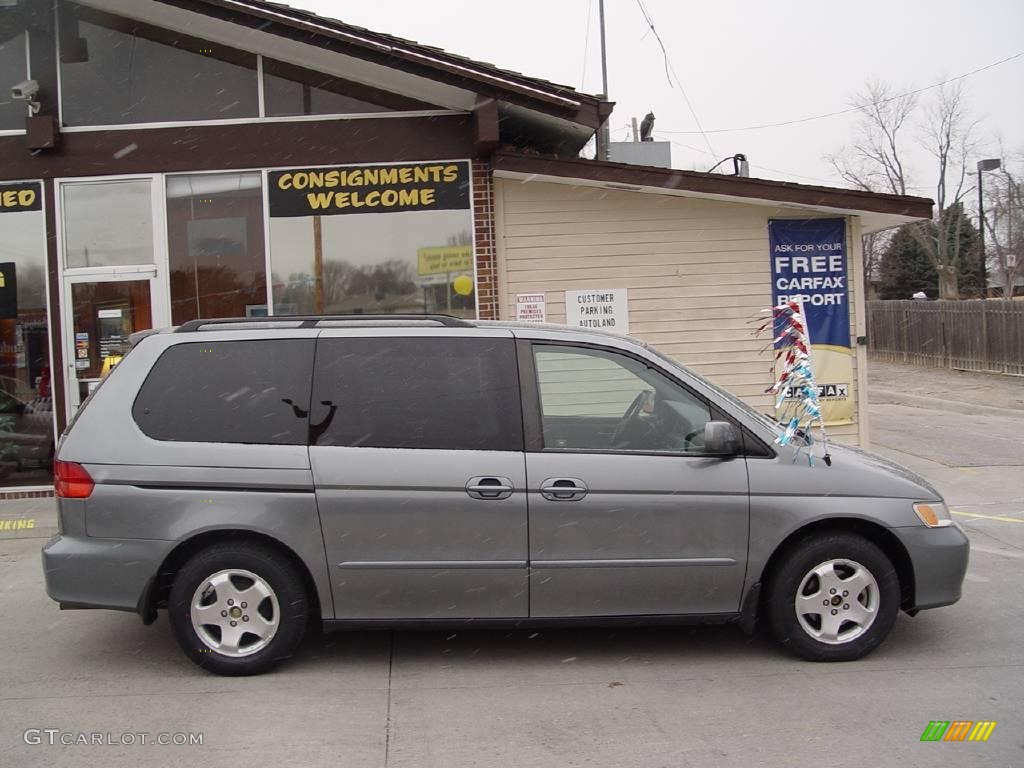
984,165
604,132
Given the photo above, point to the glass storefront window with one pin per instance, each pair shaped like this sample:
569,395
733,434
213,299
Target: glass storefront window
14,66
121,73
216,248
108,224
289,90
372,240
26,399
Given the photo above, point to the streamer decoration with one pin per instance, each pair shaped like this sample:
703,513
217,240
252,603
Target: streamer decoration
795,390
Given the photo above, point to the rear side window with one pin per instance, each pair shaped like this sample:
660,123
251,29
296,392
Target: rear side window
229,392
440,393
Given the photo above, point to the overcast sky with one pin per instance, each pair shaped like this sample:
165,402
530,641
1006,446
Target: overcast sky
742,63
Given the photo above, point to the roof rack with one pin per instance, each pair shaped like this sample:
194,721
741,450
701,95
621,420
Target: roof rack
312,321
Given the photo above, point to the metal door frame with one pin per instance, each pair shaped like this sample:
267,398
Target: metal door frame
157,273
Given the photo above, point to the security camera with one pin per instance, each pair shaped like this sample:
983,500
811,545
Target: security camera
25,91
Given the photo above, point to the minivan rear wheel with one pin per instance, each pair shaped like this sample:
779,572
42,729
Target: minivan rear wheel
834,597
238,608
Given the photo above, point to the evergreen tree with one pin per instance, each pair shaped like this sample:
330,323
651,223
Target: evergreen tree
905,268
969,268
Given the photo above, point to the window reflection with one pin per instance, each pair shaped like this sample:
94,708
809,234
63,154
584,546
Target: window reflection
216,249
120,74
108,224
13,66
26,400
290,90
371,263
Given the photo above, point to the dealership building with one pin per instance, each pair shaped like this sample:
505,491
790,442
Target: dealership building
180,159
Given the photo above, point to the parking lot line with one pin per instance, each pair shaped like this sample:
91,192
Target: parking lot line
1001,518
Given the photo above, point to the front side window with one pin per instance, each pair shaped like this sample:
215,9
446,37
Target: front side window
597,400
435,393
118,71
229,392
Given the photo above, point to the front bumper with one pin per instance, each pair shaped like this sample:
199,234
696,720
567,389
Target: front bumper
83,572
939,557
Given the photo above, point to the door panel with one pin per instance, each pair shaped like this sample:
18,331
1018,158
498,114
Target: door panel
627,516
652,535
417,456
405,539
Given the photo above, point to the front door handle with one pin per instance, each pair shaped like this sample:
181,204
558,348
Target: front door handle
563,489
490,488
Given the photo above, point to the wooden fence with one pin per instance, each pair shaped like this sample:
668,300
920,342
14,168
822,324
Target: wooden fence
976,335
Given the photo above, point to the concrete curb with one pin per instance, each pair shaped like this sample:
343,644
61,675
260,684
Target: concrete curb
895,397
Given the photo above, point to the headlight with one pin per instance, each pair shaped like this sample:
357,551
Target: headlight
933,514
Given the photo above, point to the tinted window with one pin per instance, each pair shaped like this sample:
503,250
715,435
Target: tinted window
129,72
443,393
215,239
13,65
229,392
290,90
597,400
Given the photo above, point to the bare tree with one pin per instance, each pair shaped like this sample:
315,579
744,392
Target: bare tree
874,161
949,135
1004,225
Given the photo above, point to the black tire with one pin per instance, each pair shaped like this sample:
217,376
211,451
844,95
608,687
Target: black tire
279,573
797,563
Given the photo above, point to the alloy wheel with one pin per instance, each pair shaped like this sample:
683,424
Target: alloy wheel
837,601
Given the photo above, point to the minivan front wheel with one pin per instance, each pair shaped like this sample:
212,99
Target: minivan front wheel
834,597
238,608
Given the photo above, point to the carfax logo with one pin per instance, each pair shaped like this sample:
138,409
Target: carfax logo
958,730
824,391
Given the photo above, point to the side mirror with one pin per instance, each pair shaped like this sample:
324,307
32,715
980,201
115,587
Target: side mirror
721,439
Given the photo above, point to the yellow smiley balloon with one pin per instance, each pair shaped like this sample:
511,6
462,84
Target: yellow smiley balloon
463,285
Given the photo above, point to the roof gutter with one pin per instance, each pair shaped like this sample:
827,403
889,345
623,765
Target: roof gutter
648,178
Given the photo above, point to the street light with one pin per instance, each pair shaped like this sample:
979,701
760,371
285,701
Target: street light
992,164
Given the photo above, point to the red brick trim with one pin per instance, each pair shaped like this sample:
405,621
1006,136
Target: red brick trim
483,230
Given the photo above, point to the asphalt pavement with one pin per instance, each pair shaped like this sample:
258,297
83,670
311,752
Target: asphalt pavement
690,696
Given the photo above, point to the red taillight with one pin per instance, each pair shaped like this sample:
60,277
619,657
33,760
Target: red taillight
71,481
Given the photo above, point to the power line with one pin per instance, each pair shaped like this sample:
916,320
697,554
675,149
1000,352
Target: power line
670,72
850,109
586,45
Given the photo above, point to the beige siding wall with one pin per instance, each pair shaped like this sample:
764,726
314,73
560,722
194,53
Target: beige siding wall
697,271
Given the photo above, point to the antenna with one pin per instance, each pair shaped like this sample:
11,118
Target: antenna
604,132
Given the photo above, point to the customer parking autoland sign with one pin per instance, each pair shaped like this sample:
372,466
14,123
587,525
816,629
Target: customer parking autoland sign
809,263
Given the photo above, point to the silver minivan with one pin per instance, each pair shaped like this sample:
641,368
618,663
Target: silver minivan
254,476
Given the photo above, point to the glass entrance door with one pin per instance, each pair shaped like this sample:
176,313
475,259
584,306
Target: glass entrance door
103,316
114,255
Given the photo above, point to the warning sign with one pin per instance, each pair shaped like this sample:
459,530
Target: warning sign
530,308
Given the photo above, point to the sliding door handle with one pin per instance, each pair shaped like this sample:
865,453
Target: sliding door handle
490,488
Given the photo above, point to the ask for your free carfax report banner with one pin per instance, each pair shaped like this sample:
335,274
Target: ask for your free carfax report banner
809,261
